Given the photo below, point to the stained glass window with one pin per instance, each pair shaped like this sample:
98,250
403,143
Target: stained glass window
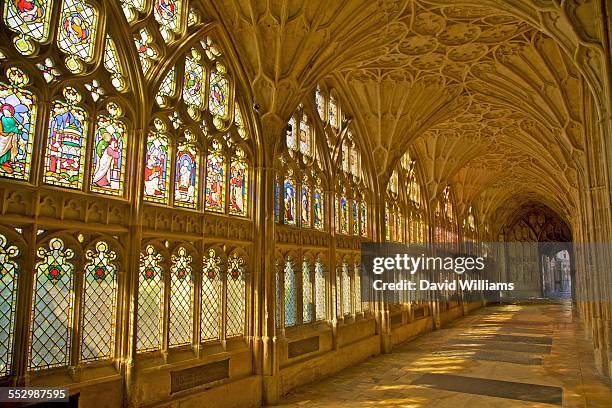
51,334
355,217
290,295
278,295
354,159
77,31
194,85
167,13
211,297
345,157
305,146
363,222
150,301
18,120
276,199
289,199
305,205
131,8
219,95
9,269
291,138
318,209
31,19
320,299
146,52
346,289
357,290
113,65
186,173
333,112
181,300
65,155
99,300
215,178
239,122
235,296
157,166
109,153
387,223
307,306
344,215
238,184
167,88
320,103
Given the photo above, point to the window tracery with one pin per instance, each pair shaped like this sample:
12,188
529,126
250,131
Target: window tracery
302,175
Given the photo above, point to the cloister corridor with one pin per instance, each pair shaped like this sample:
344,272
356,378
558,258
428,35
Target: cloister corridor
526,355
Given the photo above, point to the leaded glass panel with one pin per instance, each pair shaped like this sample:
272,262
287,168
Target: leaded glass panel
235,296
211,297
52,307
181,300
150,301
99,304
9,270
290,295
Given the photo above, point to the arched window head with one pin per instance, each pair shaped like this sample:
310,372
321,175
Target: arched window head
394,184
320,103
334,114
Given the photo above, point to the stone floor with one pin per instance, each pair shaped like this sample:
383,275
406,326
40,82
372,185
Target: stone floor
502,356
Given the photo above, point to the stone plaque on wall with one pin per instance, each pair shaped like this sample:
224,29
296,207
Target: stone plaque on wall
297,348
192,377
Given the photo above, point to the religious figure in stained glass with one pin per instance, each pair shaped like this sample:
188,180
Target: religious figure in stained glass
66,141
305,205
186,178
318,209
18,110
344,215
219,94
109,153
215,178
238,184
363,222
156,174
289,199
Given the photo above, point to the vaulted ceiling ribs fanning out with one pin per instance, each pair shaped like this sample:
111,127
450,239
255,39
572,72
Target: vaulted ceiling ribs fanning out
488,95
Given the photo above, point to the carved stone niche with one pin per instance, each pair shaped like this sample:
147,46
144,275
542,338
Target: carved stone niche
17,202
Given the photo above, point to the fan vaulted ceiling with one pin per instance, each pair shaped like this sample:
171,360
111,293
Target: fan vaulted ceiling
487,95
